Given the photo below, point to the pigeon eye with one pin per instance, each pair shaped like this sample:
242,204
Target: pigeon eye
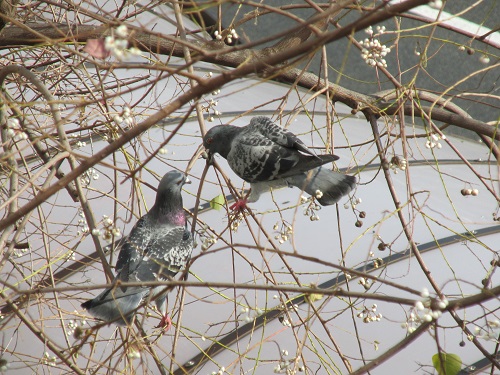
209,141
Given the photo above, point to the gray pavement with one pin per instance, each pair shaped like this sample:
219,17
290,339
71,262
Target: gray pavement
446,63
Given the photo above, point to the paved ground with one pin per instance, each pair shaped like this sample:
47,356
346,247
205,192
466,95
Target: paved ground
446,64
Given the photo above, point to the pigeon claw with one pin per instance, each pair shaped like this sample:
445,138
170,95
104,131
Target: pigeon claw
165,323
240,205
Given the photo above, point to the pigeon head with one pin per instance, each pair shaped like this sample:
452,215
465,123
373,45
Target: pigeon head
171,185
168,197
218,139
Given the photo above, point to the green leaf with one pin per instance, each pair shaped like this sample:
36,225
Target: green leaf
313,297
451,364
217,202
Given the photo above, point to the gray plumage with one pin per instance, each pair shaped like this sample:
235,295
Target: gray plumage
158,247
266,155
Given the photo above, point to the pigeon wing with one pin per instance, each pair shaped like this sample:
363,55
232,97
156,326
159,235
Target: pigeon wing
256,158
278,135
166,254
263,153
133,249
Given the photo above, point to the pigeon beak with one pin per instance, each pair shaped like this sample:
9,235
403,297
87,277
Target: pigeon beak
187,180
209,156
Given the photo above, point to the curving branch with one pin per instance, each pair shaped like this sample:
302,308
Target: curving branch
277,63
42,336
301,40
64,143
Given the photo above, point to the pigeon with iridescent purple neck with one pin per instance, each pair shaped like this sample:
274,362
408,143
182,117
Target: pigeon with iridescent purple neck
158,247
268,156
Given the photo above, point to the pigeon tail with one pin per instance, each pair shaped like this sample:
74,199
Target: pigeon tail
117,308
332,185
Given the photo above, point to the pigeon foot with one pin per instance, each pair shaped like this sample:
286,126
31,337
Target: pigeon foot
165,323
240,205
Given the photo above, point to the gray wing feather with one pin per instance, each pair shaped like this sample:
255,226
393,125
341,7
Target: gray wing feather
278,135
166,255
264,151
132,248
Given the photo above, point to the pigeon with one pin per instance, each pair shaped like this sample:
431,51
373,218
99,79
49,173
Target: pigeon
158,247
268,156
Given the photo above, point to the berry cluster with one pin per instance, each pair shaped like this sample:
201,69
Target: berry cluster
373,52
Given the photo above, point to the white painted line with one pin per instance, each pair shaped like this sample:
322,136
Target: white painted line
454,21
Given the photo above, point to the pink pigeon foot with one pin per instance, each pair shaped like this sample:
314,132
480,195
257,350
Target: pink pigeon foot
240,205
165,323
